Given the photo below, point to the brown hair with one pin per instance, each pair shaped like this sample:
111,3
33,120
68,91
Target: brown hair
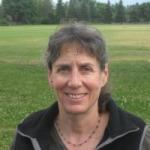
90,39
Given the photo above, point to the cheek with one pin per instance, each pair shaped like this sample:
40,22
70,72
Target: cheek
95,89
94,83
95,86
58,83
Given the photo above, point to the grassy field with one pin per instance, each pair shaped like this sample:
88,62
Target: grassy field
23,77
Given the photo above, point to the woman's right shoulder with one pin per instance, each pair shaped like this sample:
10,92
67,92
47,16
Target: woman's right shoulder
40,116
33,117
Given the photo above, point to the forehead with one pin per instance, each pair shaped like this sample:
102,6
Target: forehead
74,53
73,48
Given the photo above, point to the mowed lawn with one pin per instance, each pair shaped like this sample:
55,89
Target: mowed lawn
23,76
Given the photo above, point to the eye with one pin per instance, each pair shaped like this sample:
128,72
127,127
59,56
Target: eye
86,69
63,69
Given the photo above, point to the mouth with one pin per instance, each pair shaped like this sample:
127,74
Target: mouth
75,96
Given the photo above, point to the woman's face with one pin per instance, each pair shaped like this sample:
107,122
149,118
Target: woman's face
77,80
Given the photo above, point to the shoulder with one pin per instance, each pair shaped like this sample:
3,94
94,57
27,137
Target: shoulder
135,119
123,117
145,145
40,117
32,119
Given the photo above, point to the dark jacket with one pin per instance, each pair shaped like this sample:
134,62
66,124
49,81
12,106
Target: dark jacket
124,131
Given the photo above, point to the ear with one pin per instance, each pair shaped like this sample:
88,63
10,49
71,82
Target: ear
105,75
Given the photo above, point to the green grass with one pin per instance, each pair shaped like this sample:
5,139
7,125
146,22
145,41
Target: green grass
23,77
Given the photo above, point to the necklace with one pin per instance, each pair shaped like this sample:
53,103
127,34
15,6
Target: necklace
81,143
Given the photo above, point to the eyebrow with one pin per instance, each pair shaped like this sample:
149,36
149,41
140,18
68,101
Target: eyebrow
86,64
62,65
68,65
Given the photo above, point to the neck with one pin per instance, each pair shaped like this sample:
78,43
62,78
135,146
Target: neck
78,131
78,124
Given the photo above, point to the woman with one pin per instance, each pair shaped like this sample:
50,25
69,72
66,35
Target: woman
84,117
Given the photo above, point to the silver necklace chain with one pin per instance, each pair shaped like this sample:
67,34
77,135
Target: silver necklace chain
79,144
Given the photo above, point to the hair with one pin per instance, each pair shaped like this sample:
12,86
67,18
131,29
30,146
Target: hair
90,39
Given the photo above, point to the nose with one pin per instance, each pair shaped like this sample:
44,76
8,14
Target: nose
75,79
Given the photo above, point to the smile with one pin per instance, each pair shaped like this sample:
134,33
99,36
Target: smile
75,96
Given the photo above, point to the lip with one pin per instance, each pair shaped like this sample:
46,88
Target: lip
75,96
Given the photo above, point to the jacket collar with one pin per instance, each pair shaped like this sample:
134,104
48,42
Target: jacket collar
120,122
37,126
39,123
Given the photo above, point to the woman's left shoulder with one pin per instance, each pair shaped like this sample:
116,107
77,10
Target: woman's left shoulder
145,145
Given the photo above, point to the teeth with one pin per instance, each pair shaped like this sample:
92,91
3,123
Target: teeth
75,96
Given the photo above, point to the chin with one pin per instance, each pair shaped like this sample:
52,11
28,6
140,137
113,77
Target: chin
76,110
